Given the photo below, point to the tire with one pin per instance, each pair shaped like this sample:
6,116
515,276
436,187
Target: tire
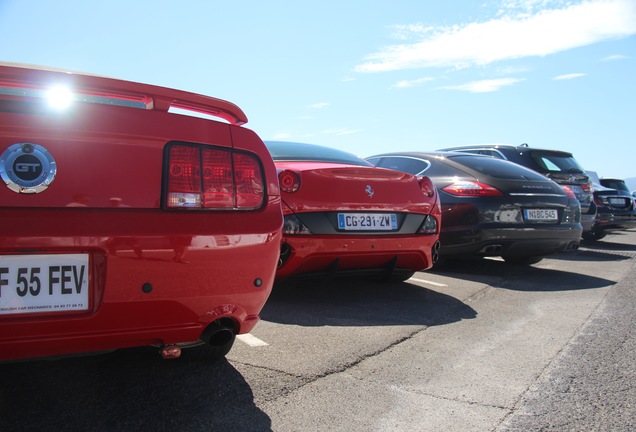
400,277
522,260
593,235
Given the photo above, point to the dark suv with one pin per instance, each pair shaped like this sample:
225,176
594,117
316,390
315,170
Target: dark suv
614,208
557,165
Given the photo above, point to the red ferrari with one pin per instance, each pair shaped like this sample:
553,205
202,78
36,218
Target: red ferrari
125,223
345,217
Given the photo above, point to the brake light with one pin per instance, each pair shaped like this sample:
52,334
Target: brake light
427,187
292,225
248,177
472,189
289,181
569,192
213,178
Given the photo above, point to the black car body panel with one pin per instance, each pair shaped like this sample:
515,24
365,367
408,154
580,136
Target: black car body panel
557,165
493,225
614,206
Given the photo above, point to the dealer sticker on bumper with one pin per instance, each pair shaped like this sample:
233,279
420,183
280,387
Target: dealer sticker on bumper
43,283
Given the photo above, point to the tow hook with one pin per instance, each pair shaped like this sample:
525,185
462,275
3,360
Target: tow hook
169,352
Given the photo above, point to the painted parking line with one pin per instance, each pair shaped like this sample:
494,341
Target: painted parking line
251,340
428,282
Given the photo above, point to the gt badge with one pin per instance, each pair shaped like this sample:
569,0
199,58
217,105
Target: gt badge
27,168
369,191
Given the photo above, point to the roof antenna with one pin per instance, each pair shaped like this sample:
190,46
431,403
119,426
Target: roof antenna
524,145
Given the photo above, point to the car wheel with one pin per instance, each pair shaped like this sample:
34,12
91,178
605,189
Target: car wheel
217,342
593,235
522,260
400,277
440,262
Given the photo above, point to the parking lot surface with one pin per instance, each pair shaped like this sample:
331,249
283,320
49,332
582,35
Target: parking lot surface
476,346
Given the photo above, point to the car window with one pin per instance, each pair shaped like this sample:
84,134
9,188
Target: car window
405,164
615,184
293,151
486,152
559,162
493,153
497,168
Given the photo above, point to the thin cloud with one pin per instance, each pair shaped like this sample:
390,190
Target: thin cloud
484,86
534,33
281,135
341,131
319,105
411,83
614,57
569,76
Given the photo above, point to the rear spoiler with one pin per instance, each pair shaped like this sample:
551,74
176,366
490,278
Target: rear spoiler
31,81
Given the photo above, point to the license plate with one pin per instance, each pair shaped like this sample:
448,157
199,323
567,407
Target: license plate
31,284
617,201
550,215
367,221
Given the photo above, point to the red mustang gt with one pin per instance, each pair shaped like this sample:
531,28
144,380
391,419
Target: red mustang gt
344,216
125,223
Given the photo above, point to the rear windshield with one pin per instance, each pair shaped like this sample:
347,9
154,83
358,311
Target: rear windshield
615,184
556,162
292,151
497,168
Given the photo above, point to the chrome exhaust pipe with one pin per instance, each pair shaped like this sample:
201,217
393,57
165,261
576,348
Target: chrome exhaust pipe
435,251
217,335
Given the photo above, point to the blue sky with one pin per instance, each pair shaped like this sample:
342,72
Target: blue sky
369,76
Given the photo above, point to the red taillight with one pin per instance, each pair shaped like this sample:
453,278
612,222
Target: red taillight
587,187
569,192
474,189
289,181
248,177
427,187
218,185
213,178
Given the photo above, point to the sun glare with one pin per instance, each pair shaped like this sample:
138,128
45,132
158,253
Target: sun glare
59,97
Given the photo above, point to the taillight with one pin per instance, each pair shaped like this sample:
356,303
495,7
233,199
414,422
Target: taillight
569,192
427,187
472,189
213,178
289,181
429,226
248,177
293,225
587,187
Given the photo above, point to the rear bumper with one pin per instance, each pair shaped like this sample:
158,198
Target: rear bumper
478,241
146,289
588,221
614,221
312,255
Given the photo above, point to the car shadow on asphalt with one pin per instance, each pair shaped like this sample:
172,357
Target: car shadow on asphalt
360,302
126,390
499,274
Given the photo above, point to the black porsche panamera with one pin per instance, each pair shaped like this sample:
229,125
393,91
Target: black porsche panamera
493,207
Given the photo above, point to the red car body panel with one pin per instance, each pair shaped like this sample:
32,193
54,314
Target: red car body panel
328,188
156,275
